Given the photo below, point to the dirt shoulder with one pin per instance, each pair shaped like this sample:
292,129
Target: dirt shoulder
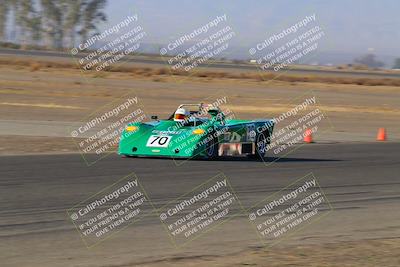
363,253
18,145
63,96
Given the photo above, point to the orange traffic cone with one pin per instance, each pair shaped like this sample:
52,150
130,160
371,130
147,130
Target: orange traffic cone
308,136
381,135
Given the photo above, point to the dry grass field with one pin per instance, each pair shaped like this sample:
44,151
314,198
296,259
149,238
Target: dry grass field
56,91
39,100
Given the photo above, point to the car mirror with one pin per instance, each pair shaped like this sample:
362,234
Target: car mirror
217,115
213,112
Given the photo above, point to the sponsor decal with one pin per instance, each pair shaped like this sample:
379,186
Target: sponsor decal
166,132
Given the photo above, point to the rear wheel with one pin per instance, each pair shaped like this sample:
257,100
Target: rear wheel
212,148
261,145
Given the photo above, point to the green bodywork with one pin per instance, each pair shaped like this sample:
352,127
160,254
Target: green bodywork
167,138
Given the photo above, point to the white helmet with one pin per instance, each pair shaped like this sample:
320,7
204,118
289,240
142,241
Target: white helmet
181,115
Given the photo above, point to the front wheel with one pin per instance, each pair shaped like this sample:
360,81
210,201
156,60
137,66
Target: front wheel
127,156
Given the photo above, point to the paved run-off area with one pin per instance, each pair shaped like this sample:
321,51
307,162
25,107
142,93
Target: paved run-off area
358,174
362,187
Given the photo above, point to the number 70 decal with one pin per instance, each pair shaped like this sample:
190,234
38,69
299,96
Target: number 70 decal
158,141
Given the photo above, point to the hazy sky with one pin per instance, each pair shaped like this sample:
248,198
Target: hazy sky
351,26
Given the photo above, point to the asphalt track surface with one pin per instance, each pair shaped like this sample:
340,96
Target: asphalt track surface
243,67
361,180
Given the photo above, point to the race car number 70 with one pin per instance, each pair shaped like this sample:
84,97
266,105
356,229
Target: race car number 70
158,141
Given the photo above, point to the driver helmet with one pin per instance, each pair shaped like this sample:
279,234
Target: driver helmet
181,115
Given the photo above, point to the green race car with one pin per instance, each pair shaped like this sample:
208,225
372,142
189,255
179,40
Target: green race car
196,130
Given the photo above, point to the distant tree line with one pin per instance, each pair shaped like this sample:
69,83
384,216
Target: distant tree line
369,60
51,23
396,64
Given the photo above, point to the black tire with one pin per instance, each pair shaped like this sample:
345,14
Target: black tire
128,156
261,145
212,148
